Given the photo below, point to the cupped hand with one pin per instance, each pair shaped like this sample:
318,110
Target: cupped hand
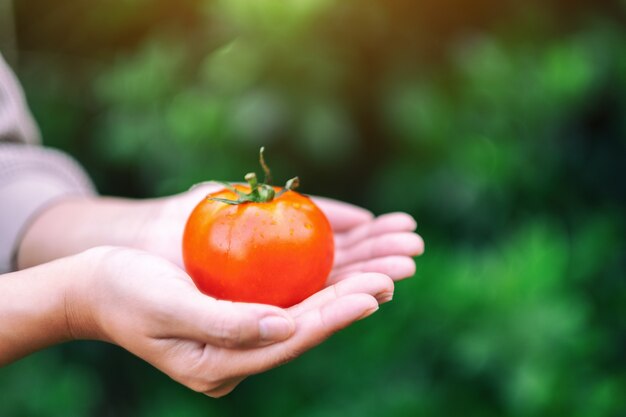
363,243
151,307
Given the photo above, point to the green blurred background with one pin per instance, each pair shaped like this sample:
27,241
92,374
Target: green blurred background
500,125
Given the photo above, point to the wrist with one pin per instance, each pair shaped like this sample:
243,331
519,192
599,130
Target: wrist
50,304
33,307
75,224
84,293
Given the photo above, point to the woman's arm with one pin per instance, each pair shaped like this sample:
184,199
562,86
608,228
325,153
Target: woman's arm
74,224
364,243
152,308
33,309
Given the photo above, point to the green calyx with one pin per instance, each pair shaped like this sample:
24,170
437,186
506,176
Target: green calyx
260,192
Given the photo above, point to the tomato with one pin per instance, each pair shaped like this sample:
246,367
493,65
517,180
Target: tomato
272,252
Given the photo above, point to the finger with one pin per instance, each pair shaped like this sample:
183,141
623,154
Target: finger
395,267
196,192
225,388
203,188
313,327
228,324
378,286
387,223
407,244
342,216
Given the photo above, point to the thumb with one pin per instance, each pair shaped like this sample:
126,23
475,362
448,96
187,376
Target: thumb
229,324
314,326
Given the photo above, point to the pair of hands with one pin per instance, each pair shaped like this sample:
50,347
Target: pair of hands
143,300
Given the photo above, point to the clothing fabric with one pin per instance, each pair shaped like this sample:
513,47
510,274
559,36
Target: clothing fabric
31,177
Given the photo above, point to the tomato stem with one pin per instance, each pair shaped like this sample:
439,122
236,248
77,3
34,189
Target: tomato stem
259,192
266,169
252,181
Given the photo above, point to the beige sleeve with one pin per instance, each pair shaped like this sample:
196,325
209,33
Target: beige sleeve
31,177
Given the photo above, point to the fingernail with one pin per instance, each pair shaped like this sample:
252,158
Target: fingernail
274,328
369,313
384,297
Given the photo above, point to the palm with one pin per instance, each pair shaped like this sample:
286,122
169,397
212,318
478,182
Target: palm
363,243
316,318
207,344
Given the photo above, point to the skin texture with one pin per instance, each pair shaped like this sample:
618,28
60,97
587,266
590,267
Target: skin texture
32,310
363,243
150,307
278,252
142,300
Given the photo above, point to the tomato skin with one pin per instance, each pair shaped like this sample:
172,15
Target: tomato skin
279,252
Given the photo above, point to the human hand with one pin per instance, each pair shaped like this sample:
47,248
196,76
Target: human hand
363,243
152,308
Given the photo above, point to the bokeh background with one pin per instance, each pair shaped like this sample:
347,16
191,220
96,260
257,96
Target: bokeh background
500,125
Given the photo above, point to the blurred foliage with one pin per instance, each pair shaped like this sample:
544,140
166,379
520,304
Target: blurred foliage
501,126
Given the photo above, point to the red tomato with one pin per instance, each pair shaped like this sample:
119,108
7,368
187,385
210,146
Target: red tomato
278,252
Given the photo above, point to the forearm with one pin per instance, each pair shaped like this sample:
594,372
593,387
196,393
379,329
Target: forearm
33,309
75,224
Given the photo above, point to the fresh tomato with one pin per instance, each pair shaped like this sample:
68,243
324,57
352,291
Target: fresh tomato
277,250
